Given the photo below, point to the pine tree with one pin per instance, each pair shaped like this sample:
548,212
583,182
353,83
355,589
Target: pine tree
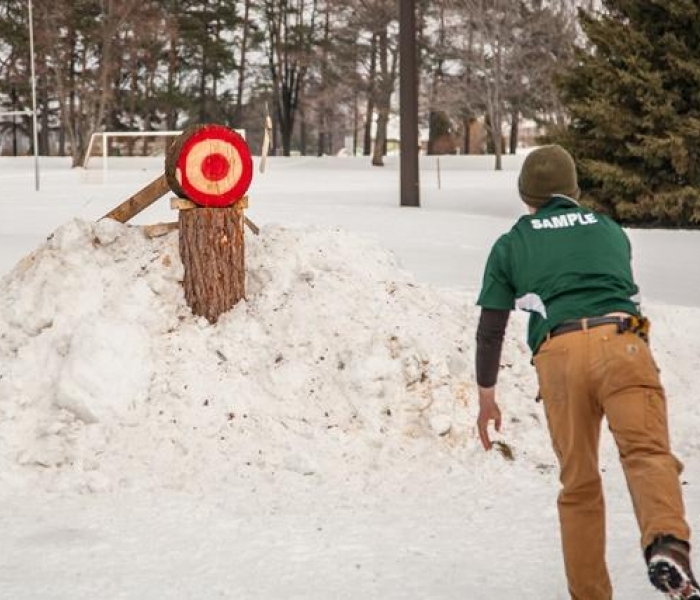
634,100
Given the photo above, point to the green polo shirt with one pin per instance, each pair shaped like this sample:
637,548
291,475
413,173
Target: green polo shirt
564,262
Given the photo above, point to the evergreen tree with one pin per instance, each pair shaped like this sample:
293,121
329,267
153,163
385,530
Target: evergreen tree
209,55
634,101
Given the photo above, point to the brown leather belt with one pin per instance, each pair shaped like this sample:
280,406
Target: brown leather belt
623,324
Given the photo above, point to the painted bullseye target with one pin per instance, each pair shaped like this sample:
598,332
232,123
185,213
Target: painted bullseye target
213,166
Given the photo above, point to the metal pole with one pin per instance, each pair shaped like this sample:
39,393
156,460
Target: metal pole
36,136
410,178
104,152
13,95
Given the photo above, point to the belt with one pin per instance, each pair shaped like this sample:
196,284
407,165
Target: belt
623,323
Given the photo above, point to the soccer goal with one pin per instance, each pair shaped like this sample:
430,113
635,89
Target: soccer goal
121,141
123,146
25,141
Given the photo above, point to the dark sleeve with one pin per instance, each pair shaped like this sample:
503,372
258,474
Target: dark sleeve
489,341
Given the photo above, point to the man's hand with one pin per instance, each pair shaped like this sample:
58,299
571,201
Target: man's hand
488,411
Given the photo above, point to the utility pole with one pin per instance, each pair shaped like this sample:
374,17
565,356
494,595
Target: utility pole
408,99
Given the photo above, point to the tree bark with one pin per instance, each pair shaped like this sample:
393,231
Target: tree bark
242,64
171,157
514,131
302,131
213,254
369,113
379,149
171,112
355,118
384,101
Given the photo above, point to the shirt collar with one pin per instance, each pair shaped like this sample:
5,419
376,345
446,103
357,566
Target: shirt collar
557,201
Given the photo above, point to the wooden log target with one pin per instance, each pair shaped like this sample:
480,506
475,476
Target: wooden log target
210,165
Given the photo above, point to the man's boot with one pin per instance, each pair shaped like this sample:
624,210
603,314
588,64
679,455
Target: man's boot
668,559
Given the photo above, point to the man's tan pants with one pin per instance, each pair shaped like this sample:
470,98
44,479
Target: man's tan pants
583,376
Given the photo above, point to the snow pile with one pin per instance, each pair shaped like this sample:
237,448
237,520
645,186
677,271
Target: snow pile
336,363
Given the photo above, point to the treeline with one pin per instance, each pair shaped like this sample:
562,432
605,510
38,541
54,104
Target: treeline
326,70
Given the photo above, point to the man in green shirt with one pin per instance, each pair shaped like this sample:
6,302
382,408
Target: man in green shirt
571,269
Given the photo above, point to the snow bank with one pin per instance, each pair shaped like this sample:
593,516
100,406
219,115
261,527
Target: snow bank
337,361
339,365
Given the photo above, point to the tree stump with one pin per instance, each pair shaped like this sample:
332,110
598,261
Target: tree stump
213,254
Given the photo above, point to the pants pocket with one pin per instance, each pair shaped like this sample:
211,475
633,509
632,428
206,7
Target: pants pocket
637,419
552,373
627,363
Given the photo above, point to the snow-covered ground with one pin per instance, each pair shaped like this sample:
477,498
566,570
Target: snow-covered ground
317,442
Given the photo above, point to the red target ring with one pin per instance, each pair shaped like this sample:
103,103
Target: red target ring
214,167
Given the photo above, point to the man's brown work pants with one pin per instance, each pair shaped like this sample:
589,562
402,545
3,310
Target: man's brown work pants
583,376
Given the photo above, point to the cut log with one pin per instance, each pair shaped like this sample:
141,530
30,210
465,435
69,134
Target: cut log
171,157
212,250
159,229
209,164
139,201
184,204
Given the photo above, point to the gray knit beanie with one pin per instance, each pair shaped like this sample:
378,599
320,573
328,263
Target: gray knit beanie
547,171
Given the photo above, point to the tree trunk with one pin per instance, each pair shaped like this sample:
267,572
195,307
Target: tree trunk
324,122
367,142
380,139
355,118
369,115
321,139
242,63
171,111
496,122
498,143
303,137
514,131
44,149
286,141
495,133
213,255
437,119
384,100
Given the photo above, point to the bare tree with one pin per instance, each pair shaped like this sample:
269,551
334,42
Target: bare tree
509,59
328,67
245,42
376,26
386,82
83,53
